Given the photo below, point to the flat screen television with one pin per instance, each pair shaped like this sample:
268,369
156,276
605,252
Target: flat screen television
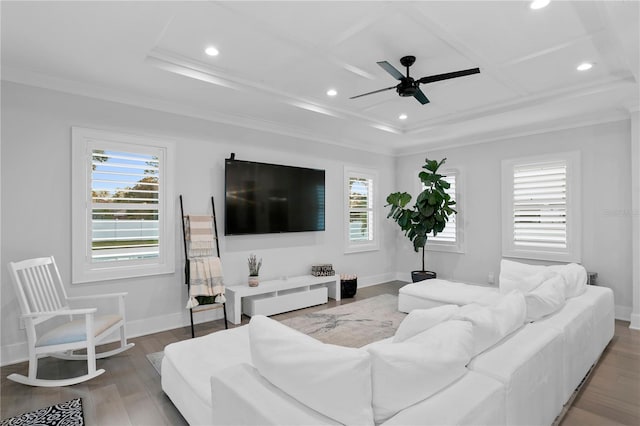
263,198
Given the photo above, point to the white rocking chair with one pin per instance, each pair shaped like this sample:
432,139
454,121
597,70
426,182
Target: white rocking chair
42,297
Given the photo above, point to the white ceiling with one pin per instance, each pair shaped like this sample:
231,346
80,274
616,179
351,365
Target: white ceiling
277,60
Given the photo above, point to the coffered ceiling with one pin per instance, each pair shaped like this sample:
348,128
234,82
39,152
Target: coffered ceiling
277,60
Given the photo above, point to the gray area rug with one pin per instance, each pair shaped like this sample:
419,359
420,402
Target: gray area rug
156,360
67,413
353,324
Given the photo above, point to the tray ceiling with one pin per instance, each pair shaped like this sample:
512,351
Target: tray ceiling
278,59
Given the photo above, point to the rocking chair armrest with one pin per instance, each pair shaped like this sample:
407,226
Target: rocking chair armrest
61,312
97,296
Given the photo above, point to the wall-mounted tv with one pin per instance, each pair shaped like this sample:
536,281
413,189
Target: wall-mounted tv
263,198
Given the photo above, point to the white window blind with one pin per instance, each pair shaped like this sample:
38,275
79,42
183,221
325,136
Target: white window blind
360,209
540,205
124,206
449,233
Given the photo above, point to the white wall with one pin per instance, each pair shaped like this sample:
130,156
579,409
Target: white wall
36,201
606,204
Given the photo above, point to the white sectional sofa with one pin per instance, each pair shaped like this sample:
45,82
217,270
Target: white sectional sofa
524,377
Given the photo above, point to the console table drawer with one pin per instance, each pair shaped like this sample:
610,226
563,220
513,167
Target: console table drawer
269,304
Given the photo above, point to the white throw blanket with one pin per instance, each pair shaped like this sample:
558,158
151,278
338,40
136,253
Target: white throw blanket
205,279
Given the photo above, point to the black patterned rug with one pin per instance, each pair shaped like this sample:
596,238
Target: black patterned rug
64,414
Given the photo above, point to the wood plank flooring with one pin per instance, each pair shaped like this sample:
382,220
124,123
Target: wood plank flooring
130,393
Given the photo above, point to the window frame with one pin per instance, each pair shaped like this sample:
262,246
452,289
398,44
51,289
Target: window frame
373,244
573,204
445,246
84,141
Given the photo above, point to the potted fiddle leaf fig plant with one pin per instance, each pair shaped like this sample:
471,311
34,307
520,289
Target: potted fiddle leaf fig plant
429,215
254,270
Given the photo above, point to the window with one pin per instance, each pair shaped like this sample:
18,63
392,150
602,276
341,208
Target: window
122,226
541,207
451,238
360,203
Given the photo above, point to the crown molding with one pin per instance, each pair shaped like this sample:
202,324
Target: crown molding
546,98
34,79
530,129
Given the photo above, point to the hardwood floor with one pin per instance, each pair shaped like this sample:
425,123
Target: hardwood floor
611,395
130,393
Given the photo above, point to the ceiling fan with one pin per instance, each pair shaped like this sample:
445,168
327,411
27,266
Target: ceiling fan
408,86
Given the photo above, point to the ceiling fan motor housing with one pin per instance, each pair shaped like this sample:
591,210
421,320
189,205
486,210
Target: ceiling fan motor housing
407,87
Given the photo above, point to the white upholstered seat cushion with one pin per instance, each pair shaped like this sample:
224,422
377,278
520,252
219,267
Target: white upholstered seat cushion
529,364
410,371
188,365
474,399
242,397
75,331
333,380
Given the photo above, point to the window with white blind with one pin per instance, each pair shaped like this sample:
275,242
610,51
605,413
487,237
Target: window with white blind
360,203
541,207
122,226
451,237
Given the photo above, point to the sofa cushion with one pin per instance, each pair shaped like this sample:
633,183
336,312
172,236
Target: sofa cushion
408,372
241,397
420,320
525,277
493,323
546,299
575,277
333,380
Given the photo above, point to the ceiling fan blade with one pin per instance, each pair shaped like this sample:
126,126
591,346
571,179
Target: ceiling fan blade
371,93
391,70
448,75
421,97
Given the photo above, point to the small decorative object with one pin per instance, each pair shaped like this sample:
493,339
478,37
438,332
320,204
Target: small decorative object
254,270
428,216
324,270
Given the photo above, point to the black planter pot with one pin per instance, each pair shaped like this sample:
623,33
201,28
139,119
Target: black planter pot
422,275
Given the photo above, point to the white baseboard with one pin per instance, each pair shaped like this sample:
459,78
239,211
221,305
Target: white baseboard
376,279
13,353
19,352
635,321
623,313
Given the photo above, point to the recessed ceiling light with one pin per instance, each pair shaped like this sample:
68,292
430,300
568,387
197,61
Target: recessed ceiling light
584,66
211,51
539,4
402,116
332,92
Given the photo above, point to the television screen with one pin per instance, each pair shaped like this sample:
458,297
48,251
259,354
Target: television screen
265,198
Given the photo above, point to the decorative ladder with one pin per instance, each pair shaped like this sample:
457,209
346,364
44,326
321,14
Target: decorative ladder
187,271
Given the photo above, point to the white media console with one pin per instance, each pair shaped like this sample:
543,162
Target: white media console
277,296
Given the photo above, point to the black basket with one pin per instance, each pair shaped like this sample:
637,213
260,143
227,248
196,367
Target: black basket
348,288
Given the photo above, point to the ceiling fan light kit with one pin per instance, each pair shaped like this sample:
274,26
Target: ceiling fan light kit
409,86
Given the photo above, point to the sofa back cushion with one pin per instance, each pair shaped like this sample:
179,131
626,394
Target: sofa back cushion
420,320
575,277
525,277
410,371
333,380
493,323
546,299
